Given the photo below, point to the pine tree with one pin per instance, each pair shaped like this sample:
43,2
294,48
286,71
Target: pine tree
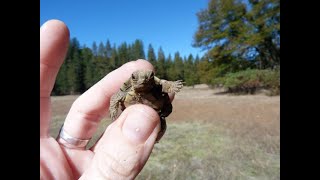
130,52
151,55
123,53
178,67
190,71
231,32
61,83
205,71
108,50
265,32
73,67
114,60
94,48
89,68
170,69
196,72
137,50
101,50
161,64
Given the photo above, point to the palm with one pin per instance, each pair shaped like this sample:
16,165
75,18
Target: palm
68,162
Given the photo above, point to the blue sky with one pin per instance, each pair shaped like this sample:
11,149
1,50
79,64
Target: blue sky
170,24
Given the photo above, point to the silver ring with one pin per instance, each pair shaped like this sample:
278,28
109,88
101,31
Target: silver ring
67,140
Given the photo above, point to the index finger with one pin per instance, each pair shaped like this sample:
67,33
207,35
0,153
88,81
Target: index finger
54,40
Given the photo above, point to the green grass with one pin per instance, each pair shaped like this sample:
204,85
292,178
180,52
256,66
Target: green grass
205,150
193,150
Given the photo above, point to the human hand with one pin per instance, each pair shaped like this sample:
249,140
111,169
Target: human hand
125,146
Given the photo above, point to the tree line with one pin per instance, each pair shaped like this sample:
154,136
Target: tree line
235,35
84,66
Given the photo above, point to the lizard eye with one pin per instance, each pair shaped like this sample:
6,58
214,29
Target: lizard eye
133,77
151,75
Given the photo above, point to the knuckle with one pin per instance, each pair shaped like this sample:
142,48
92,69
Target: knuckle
138,64
113,168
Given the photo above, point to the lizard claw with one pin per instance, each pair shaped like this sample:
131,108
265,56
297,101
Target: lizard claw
176,86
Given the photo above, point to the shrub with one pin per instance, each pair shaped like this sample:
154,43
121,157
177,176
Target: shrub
250,80
271,81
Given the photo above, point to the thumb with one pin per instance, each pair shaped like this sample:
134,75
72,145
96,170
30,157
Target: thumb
126,145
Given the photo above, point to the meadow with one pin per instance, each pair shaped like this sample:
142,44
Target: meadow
210,135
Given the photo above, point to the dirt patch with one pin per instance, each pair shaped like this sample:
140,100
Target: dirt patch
204,104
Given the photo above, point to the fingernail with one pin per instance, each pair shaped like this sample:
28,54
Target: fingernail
139,125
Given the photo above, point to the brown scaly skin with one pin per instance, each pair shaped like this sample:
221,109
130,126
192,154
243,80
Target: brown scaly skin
145,88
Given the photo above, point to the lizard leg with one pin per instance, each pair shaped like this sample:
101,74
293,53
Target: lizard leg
114,104
169,86
167,107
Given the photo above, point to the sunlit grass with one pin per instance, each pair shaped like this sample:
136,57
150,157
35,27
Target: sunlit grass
193,150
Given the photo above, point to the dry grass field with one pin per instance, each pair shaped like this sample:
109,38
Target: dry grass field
210,135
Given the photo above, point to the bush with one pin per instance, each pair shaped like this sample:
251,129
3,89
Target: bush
271,81
251,80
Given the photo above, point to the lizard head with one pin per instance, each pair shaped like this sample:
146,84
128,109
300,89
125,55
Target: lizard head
142,80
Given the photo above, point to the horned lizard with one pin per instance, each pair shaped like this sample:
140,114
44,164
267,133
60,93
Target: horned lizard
143,87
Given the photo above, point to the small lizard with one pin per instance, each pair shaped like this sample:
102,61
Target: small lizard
143,87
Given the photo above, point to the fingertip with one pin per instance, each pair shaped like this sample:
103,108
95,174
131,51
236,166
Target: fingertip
54,41
125,147
58,25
